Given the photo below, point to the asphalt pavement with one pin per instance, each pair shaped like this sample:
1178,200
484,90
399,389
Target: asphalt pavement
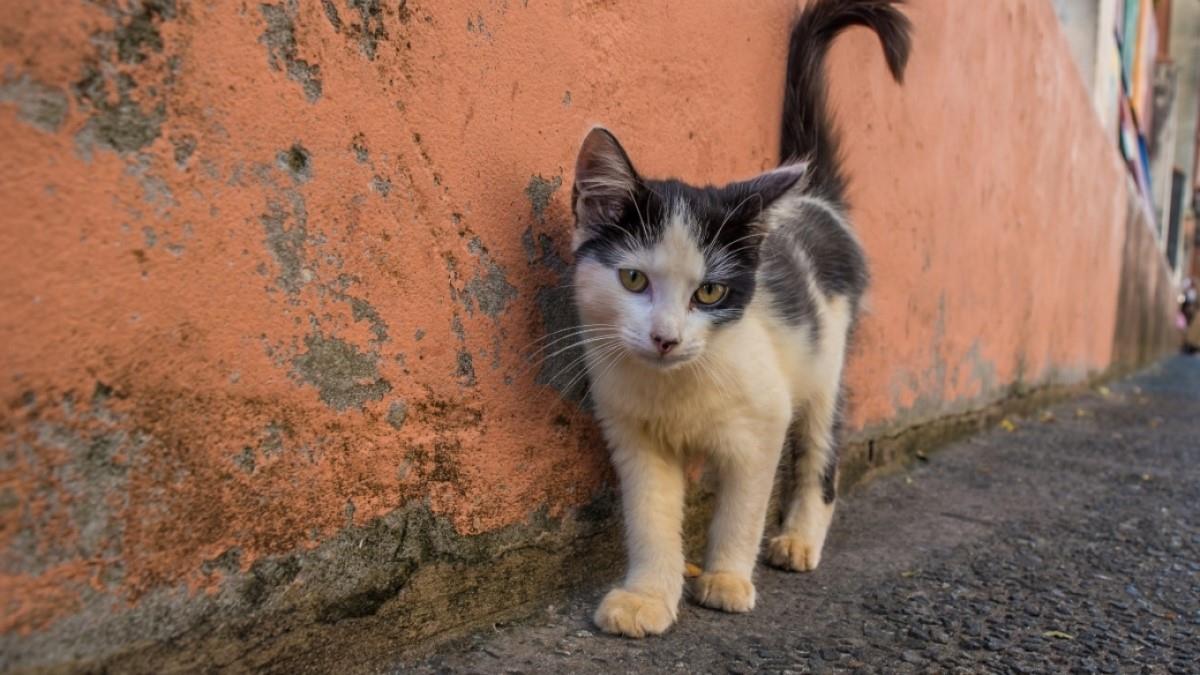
1066,541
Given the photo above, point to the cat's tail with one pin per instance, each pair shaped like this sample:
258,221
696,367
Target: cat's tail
808,133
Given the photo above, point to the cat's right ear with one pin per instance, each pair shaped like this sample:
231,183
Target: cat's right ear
605,182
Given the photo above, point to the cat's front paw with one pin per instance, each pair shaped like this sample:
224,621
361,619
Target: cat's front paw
795,552
726,591
633,614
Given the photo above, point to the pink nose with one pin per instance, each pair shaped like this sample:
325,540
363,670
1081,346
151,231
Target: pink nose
664,345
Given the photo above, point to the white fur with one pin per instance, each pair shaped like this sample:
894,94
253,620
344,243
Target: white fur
729,394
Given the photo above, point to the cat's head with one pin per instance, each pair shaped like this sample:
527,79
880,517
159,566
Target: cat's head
661,265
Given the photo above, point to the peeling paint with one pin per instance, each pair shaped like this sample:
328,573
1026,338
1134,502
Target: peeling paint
123,125
361,310
539,191
137,31
83,458
155,191
332,15
489,288
359,145
286,244
466,368
381,185
41,106
282,50
397,413
345,377
185,146
369,29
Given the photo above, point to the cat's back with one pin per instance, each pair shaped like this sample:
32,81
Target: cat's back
810,257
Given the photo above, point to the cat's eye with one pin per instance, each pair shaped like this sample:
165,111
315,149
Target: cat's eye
633,281
710,293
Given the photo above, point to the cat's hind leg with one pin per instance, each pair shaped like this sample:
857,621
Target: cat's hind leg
809,512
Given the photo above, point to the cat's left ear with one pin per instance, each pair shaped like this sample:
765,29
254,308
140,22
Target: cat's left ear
755,198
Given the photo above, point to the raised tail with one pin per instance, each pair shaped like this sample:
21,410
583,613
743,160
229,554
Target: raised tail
808,133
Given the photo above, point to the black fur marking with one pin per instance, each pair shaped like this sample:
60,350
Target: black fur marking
807,131
632,223
839,262
829,475
815,244
829,482
784,276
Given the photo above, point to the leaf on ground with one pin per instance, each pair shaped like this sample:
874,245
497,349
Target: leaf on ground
1058,634
1047,416
1104,391
1008,426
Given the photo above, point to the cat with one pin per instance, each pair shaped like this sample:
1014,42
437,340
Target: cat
714,322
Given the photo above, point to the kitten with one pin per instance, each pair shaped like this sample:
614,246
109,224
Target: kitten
714,322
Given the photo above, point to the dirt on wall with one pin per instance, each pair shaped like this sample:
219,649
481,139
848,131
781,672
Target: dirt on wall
277,277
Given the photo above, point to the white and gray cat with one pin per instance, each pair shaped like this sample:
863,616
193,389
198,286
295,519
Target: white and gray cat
715,322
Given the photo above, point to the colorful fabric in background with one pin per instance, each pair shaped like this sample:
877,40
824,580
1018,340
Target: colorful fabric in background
1135,36
1127,25
1147,49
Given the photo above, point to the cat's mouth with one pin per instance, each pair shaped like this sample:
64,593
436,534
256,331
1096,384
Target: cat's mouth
663,361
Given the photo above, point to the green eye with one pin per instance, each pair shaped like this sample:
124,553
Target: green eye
634,281
710,293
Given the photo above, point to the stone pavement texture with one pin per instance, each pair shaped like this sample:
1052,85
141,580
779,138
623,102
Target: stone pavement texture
1067,541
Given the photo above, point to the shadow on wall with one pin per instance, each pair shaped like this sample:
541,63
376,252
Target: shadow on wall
1146,304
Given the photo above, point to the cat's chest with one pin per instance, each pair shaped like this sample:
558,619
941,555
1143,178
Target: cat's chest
676,410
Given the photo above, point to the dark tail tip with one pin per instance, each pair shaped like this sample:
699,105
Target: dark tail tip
895,33
807,130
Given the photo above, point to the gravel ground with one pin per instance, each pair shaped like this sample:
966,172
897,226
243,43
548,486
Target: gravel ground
1068,542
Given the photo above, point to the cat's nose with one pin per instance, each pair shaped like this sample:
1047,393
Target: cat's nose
664,345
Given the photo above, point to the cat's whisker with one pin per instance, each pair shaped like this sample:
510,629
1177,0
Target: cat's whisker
576,327
583,373
574,333
604,353
608,362
543,355
580,343
602,347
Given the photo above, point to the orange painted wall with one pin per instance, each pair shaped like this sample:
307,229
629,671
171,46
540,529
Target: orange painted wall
267,272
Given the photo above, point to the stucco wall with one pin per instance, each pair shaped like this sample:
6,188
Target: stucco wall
270,274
